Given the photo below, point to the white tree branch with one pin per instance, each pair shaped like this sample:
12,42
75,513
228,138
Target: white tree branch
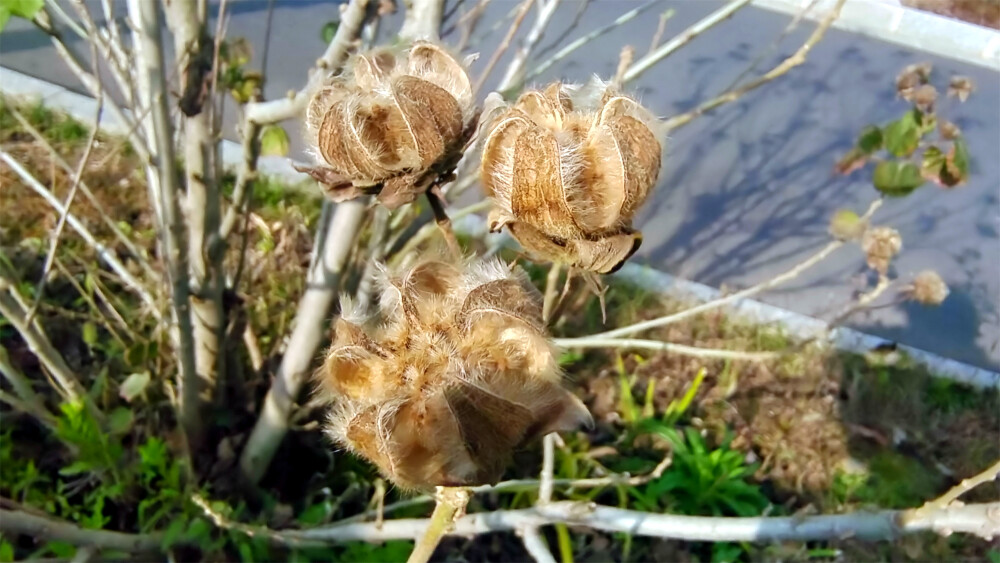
694,351
351,21
980,519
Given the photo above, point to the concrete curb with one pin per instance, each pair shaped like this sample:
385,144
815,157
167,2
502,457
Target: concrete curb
890,21
81,107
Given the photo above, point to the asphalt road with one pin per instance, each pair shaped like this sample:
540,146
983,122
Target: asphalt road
746,191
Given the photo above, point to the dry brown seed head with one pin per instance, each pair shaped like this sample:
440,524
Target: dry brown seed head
928,288
459,373
881,245
567,168
390,116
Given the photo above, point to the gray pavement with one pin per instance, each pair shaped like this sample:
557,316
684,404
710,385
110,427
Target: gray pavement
747,190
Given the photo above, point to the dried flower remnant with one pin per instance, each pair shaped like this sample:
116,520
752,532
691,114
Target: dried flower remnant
567,168
392,124
911,78
928,288
456,373
881,245
960,87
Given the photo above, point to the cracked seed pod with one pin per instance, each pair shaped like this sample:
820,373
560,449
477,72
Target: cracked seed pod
456,373
881,245
390,124
567,168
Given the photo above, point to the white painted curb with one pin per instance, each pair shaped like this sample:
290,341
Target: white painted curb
81,107
890,21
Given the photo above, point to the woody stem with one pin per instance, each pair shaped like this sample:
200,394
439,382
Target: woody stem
450,505
437,202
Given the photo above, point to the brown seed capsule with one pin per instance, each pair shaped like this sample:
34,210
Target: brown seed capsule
388,122
567,169
928,288
456,374
881,245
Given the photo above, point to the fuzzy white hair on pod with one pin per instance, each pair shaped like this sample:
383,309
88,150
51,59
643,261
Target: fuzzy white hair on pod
482,272
353,312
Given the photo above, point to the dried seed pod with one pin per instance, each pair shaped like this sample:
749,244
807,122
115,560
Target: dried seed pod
455,374
567,168
881,245
390,124
928,288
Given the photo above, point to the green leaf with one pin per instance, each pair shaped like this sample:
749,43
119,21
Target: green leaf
75,468
120,421
90,334
870,140
903,135
329,30
26,9
846,225
959,158
897,179
6,551
172,533
133,385
273,141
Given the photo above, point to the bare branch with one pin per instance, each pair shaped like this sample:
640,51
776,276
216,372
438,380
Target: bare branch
522,11
694,351
706,23
105,254
661,27
979,519
351,21
57,234
203,202
515,71
160,173
29,401
951,497
422,20
138,255
791,62
15,311
536,546
587,38
14,522
322,286
789,275
545,480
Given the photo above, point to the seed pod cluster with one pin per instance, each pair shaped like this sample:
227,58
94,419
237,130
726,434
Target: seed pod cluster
567,168
455,374
390,124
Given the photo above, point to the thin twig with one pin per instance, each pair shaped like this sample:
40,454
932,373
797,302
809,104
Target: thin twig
104,253
706,23
788,275
661,27
514,76
944,501
551,292
519,485
791,62
437,203
522,11
624,62
44,417
693,351
67,206
351,20
137,254
588,38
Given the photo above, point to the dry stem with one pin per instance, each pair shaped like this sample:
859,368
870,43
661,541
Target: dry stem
791,62
450,505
